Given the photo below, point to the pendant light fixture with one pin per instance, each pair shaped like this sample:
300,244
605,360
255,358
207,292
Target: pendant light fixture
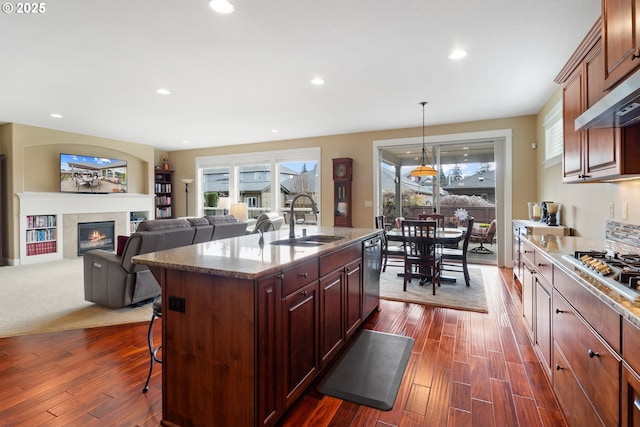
423,169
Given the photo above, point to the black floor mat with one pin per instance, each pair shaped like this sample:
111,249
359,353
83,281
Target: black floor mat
370,371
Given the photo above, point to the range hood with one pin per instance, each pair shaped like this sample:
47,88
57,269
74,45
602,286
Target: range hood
618,108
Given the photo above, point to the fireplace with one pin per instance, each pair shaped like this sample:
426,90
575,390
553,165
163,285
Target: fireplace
96,235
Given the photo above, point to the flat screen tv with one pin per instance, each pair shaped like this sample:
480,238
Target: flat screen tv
90,174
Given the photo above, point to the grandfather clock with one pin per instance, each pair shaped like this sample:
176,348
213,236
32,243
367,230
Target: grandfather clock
342,207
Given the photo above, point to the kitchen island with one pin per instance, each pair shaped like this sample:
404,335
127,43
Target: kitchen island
247,326
585,329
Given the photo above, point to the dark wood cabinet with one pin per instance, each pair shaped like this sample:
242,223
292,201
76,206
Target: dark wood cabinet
595,365
268,324
543,321
299,341
593,154
340,299
536,301
630,397
353,297
240,352
331,315
576,407
621,39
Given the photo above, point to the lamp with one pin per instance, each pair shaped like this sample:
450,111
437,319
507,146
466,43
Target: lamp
186,181
423,169
224,203
240,211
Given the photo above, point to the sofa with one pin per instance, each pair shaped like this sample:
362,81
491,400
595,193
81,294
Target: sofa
113,280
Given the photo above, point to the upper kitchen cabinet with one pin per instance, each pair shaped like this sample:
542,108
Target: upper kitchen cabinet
621,41
597,153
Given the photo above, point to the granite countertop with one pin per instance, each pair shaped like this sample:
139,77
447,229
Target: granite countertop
556,246
244,258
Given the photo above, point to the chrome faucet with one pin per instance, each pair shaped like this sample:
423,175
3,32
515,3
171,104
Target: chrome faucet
292,220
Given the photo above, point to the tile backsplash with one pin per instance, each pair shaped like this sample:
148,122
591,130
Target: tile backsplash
628,234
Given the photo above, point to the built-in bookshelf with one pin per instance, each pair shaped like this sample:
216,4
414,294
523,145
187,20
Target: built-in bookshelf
41,234
163,190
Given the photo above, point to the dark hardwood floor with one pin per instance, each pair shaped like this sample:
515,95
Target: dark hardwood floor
466,369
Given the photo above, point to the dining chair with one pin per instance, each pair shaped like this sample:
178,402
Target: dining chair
438,218
422,257
456,259
393,251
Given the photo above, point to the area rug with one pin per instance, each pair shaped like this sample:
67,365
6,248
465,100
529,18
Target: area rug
454,295
370,371
49,297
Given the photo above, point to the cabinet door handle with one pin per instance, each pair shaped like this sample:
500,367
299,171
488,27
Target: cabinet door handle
593,354
558,311
280,276
636,54
559,367
303,275
541,264
304,293
528,252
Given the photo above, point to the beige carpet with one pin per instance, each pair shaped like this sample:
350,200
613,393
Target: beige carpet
450,295
49,297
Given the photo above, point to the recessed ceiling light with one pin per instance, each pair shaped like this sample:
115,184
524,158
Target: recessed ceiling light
163,91
458,54
318,81
222,6
56,115
275,130
185,141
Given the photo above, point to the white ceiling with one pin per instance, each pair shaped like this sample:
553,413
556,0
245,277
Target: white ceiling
236,77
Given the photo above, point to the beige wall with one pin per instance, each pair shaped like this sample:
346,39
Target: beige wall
33,160
359,146
585,206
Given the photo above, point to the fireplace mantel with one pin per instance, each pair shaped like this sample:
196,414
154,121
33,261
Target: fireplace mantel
43,203
71,208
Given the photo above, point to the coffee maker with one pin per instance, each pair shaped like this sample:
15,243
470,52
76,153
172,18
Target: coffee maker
550,213
544,217
554,213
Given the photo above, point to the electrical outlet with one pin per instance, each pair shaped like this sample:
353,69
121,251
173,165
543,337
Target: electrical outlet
625,210
177,304
611,210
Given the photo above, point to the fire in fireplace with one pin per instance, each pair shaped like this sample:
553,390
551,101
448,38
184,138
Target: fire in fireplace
96,235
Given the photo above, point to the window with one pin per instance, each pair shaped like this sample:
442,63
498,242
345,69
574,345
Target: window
553,138
255,181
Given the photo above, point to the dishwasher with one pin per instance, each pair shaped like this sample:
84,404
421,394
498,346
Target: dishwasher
372,264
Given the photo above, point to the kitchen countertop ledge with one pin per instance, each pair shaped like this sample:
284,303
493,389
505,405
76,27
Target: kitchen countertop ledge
556,246
244,258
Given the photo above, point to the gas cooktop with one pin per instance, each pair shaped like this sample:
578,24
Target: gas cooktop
621,272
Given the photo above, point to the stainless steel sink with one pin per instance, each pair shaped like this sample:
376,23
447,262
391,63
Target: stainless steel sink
317,240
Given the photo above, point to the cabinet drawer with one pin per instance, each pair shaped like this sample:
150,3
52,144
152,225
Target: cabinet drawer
340,258
600,316
528,251
575,406
297,277
594,364
631,344
544,266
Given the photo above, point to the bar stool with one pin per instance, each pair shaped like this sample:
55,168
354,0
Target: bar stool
153,351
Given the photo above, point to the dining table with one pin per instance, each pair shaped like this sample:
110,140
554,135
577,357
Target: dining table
444,236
